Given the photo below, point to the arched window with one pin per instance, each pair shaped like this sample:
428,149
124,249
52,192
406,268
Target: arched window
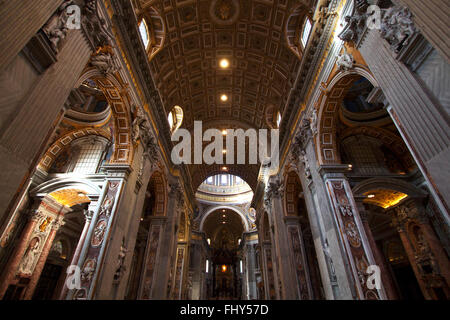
307,28
278,119
175,118
89,152
145,35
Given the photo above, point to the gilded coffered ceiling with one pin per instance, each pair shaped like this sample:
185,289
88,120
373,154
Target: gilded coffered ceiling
255,36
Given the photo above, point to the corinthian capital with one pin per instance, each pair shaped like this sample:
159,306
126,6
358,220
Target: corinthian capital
275,189
58,223
176,193
35,215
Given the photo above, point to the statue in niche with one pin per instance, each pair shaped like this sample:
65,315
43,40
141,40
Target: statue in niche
30,256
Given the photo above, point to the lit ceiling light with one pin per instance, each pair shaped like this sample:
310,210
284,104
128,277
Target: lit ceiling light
224,63
224,216
223,210
224,168
224,268
224,98
224,132
224,222
370,196
224,151
81,194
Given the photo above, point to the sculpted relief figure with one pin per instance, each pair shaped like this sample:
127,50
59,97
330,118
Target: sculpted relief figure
345,61
30,256
120,267
104,61
313,121
397,27
56,28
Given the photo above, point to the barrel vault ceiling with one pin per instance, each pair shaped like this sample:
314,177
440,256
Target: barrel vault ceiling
190,39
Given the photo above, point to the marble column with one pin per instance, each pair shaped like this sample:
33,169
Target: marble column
20,20
355,245
420,119
92,260
427,258
250,271
286,272
151,257
166,254
379,257
42,259
304,286
432,18
179,272
411,257
11,268
88,218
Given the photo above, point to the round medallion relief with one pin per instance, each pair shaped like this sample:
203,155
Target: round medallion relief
224,12
352,234
99,233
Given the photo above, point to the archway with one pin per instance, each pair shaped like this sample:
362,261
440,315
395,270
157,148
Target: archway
148,236
303,248
402,238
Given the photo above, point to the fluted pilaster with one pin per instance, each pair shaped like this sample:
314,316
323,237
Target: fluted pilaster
20,20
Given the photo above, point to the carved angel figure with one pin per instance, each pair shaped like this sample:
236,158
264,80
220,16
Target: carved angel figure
120,268
345,61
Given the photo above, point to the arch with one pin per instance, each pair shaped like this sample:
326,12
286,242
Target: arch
293,187
247,173
388,183
389,139
329,103
156,31
115,92
294,28
158,185
175,118
92,190
220,207
265,226
64,142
